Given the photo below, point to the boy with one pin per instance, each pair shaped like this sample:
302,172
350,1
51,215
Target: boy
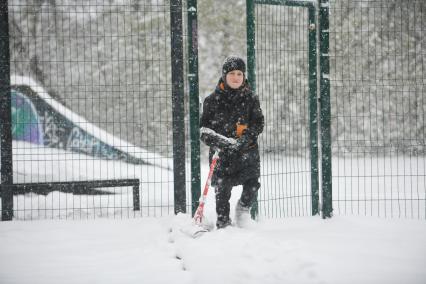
233,112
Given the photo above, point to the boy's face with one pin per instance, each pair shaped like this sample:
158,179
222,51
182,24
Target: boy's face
235,79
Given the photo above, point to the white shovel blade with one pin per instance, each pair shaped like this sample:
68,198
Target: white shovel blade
193,230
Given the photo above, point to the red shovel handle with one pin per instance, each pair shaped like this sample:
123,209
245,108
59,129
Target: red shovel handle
199,213
209,177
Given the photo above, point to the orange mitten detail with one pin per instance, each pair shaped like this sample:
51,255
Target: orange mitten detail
240,129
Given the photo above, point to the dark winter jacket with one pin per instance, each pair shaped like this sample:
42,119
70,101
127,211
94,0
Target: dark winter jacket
222,110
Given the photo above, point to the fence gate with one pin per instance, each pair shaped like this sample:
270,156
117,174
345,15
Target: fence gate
282,69
371,105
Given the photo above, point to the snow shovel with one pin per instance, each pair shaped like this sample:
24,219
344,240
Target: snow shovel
197,229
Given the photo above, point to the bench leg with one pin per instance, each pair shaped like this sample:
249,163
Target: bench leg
136,202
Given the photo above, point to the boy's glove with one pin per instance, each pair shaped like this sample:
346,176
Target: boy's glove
213,139
240,129
241,144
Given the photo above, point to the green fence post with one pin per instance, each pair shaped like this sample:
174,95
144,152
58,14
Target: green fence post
194,103
313,109
178,106
327,206
5,116
251,68
251,48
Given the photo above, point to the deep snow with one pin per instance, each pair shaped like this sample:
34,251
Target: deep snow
153,250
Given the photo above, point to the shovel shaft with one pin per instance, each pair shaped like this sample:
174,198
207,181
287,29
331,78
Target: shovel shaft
209,178
198,216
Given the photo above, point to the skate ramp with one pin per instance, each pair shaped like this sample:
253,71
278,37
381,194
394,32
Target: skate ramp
39,119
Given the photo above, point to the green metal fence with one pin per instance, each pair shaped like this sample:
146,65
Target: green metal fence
370,116
282,39
99,106
378,98
96,106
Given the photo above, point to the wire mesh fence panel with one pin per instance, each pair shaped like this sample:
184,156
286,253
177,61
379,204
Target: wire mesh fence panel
282,83
378,97
91,101
92,109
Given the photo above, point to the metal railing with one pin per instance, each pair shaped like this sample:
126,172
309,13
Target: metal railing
96,92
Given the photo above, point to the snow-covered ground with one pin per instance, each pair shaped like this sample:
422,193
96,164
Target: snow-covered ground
145,250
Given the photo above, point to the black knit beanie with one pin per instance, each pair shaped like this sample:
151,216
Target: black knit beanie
232,63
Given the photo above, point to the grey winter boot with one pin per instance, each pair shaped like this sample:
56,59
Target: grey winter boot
242,214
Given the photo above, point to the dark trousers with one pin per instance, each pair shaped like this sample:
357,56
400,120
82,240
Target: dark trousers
223,194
